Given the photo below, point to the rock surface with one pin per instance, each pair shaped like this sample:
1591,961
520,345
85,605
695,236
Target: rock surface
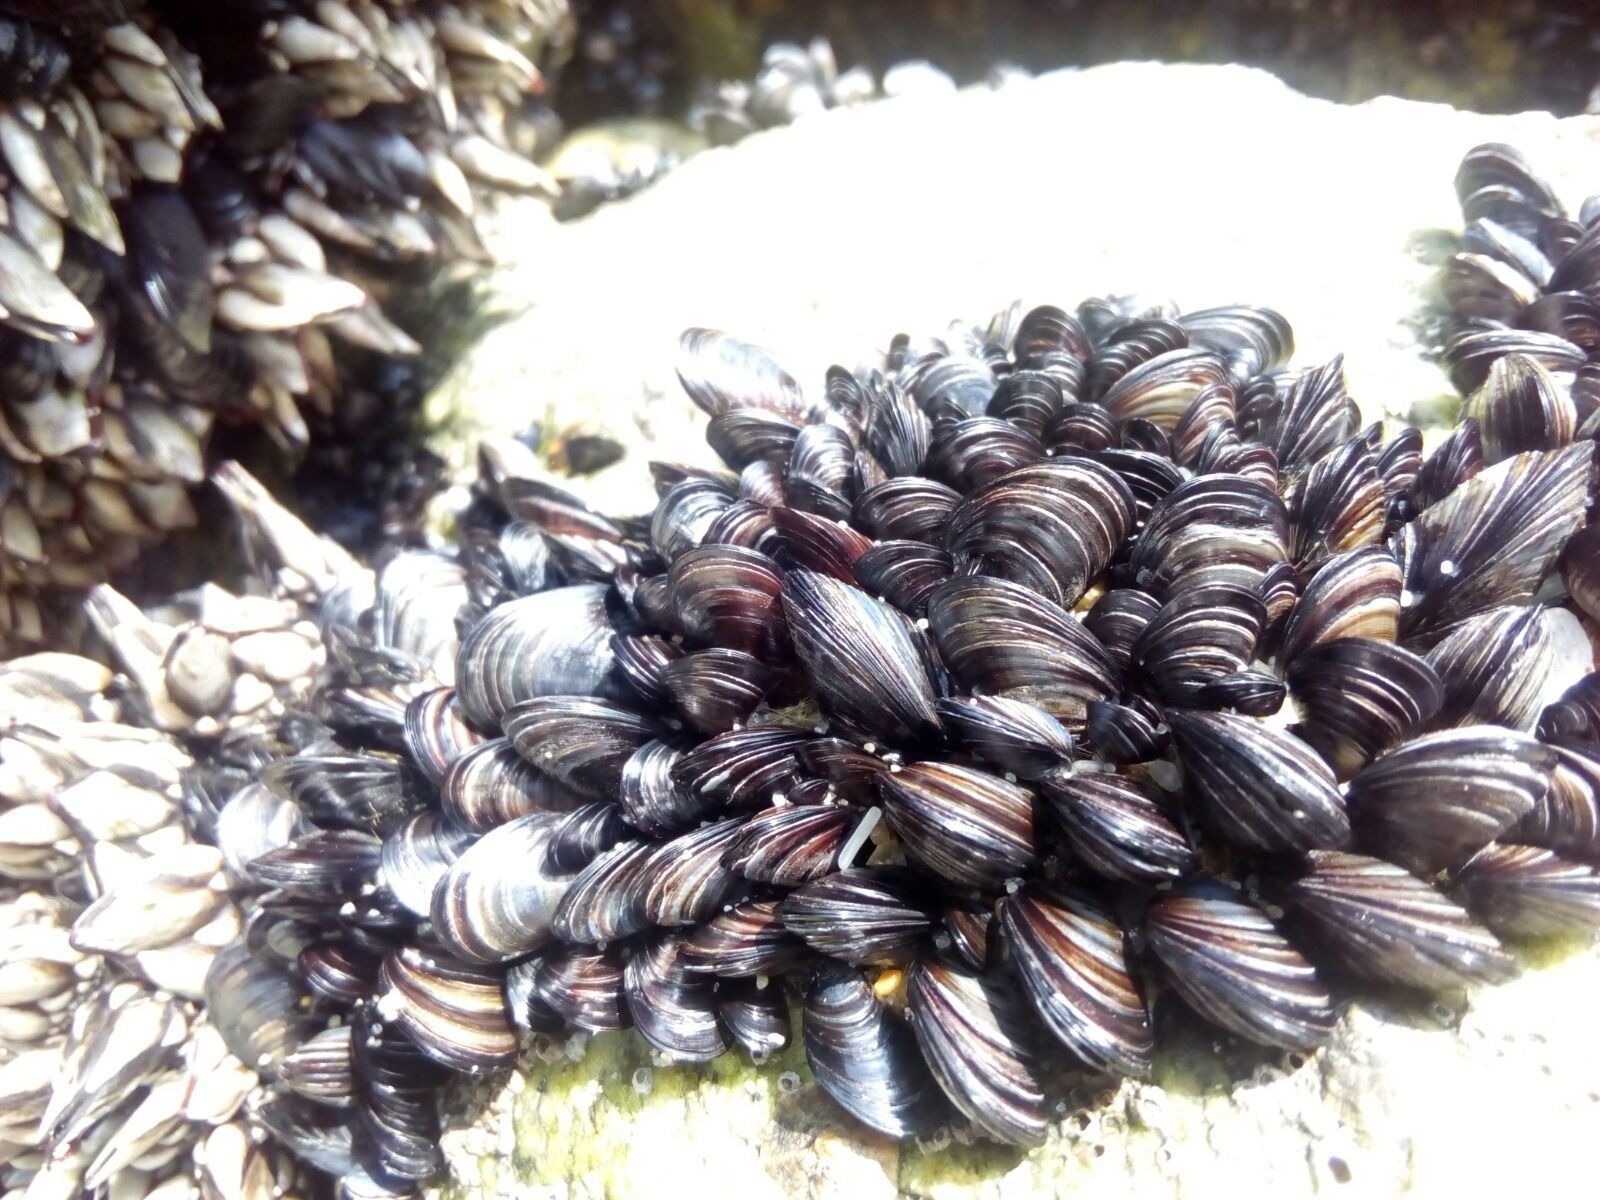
820,241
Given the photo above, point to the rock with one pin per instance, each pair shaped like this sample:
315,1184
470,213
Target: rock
820,241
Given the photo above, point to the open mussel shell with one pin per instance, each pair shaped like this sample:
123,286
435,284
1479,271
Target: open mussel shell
878,916
555,643
1438,799
584,986
1226,958
1378,921
1011,735
793,844
1493,668
865,1057
257,1007
1358,697
1530,892
498,900
581,741
1256,785
973,1031
453,1011
999,639
748,939
1072,960
1116,826
966,826
672,1007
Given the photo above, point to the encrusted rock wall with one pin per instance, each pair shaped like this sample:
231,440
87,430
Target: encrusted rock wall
820,241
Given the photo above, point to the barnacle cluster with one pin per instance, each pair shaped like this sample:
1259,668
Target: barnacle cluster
980,703
202,209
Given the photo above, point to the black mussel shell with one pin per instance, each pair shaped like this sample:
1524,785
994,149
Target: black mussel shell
1231,964
998,638
1126,733
1072,960
330,865
685,879
453,1011
904,573
361,792
605,900
1353,595
794,844
1202,634
865,1057
675,1009
864,916
1530,892
727,596
755,1013
1458,458
1256,785
1493,668
862,660
1438,799
498,900
748,939
416,856
1358,697
1013,736
1214,528
1117,826
848,770
966,826
1378,921
907,509
581,741
743,768
716,689
1567,816
1520,407
1118,618
973,1033
436,733
804,542
585,987
492,784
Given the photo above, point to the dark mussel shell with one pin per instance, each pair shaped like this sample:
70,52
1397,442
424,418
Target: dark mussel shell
1072,960
1117,827
748,939
1126,733
861,657
581,741
792,844
755,1013
1379,921
1231,964
673,1008
1358,697
973,1033
998,638
865,1056
1567,817
1438,799
1530,892
966,826
878,916
453,1011
498,900
1013,736
1256,785
1493,668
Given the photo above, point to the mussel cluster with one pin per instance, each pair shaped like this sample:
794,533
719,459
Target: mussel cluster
1047,671
202,208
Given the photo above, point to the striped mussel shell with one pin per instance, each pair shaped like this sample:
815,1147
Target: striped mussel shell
1378,921
1072,960
1530,892
1228,960
1117,826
